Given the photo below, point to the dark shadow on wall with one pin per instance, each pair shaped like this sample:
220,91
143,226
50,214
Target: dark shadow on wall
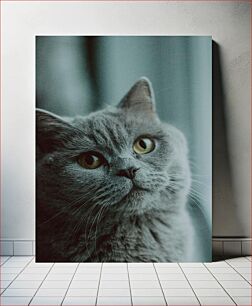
225,217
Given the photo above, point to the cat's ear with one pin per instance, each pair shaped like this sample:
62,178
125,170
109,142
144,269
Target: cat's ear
140,97
51,130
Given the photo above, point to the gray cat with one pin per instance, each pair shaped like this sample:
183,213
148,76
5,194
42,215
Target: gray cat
112,186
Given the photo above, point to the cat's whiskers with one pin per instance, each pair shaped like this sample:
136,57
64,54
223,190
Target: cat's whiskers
192,192
76,227
196,203
72,230
200,184
95,197
87,215
98,217
80,223
200,175
198,195
194,165
100,213
105,207
88,234
194,179
177,185
93,222
89,200
65,208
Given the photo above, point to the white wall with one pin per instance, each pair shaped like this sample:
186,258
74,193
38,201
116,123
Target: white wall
227,22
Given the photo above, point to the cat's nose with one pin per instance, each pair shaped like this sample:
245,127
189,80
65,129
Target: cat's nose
130,173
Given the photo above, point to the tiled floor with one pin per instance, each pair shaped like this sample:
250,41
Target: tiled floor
24,282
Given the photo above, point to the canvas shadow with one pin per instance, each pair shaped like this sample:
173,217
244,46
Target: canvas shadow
225,216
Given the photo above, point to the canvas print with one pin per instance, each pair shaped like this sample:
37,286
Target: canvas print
123,148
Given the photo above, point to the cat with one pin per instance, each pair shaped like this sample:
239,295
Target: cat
112,186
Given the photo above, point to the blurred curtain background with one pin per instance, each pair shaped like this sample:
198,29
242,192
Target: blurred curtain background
76,75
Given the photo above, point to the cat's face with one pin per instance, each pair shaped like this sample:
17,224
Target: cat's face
120,158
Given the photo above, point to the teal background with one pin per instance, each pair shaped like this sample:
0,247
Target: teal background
76,75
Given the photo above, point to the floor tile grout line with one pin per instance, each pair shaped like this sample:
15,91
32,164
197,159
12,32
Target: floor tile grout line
220,284
190,284
247,258
131,299
70,284
9,257
230,259
96,300
160,284
41,283
235,271
1,266
240,273
16,276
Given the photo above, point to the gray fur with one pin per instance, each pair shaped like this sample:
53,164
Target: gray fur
91,215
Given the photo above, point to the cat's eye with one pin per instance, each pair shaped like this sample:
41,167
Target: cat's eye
143,145
90,160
